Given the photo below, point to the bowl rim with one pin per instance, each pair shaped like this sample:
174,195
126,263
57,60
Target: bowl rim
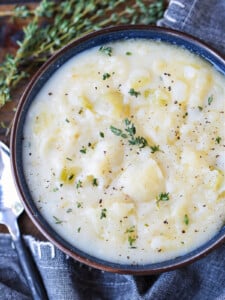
32,210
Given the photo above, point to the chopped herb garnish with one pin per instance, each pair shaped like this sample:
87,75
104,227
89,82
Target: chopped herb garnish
83,150
140,141
218,140
55,189
80,111
95,182
69,210
210,99
131,240
186,219
154,148
103,213
57,220
162,197
79,205
78,229
130,229
105,76
130,133
130,128
106,50
79,184
132,92
101,134
132,237
118,132
71,177
68,121
68,158
200,108
128,53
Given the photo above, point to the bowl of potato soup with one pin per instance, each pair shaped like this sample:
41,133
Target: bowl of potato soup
118,149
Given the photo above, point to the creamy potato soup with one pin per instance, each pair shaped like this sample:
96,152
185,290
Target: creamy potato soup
123,151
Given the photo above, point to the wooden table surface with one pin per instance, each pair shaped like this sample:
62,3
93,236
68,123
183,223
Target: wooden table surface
10,32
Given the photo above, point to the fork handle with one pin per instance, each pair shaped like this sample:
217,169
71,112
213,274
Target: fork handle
30,270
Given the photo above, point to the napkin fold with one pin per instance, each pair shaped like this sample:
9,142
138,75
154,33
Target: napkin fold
66,279
204,19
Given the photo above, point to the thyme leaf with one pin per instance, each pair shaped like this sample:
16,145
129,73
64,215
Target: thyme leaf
162,197
103,213
83,150
218,139
106,50
154,148
95,182
102,135
57,220
186,219
132,92
79,184
105,76
132,236
210,100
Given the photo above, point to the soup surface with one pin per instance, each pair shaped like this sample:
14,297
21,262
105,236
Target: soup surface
123,151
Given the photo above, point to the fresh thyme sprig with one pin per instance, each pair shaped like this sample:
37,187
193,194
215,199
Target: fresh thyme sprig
130,134
67,21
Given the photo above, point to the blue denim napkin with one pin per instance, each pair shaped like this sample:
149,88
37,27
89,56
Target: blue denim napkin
67,279
204,19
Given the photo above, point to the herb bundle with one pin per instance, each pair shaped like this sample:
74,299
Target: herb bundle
63,22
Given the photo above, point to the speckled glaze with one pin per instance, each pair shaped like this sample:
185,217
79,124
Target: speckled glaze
45,72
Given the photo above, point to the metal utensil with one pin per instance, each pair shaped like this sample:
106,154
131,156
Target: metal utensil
10,209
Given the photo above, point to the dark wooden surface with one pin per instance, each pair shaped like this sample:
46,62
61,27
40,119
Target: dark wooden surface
11,30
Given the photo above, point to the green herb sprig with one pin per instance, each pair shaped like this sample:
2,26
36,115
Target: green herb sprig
132,236
210,100
134,93
106,76
218,139
103,213
66,21
130,134
57,220
186,219
106,50
162,197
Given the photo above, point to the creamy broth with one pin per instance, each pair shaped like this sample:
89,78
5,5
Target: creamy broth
123,151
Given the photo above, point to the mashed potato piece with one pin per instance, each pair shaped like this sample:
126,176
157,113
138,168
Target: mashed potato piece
124,150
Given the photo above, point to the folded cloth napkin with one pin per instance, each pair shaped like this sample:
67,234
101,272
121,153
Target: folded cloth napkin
67,279
203,19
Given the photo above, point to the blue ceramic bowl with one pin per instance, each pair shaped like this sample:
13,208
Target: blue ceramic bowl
38,81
